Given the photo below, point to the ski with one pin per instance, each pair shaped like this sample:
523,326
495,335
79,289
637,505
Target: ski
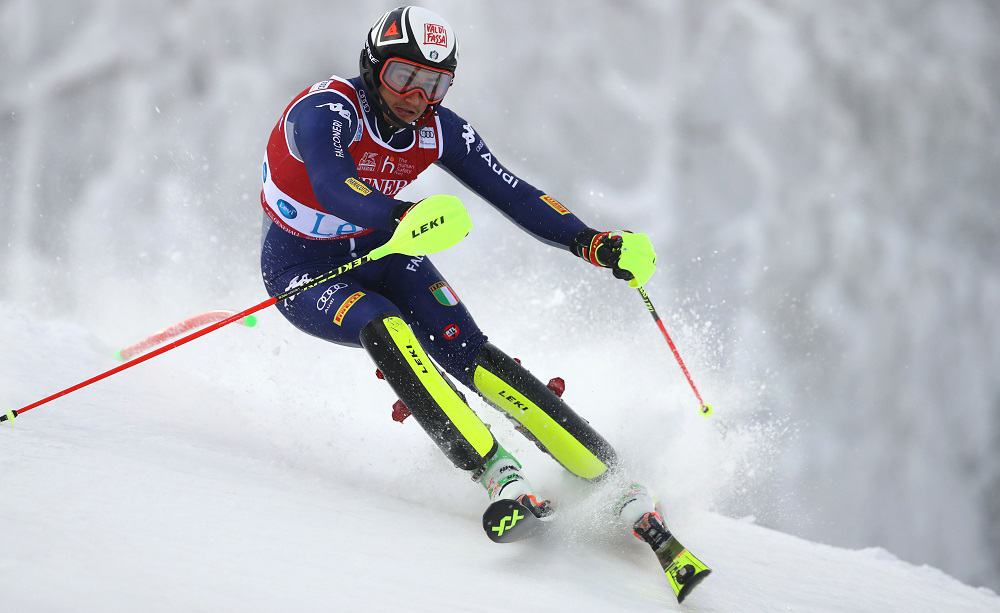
506,521
683,570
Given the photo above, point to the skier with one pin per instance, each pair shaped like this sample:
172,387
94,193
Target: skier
335,160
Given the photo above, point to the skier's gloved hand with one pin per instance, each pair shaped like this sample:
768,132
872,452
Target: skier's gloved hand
629,255
636,257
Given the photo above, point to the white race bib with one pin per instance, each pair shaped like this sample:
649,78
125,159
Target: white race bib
303,218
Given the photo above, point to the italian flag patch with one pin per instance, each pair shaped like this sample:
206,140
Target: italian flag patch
444,294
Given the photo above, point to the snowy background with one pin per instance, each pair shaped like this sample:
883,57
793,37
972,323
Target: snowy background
820,179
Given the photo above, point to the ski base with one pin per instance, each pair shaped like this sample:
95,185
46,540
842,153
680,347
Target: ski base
506,521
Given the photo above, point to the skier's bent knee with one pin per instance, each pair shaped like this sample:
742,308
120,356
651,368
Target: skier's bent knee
434,402
558,430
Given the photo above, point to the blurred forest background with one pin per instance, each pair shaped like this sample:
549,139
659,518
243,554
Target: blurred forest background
821,181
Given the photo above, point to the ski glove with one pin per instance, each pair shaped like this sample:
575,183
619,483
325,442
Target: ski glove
629,255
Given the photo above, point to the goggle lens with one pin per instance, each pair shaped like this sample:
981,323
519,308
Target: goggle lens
404,77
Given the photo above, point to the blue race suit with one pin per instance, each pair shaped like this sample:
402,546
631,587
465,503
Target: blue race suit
411,288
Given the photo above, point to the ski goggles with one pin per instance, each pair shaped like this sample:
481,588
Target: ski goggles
404,77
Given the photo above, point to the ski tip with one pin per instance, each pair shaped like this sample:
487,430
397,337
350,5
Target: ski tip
690,585
249,321
119,356
706,410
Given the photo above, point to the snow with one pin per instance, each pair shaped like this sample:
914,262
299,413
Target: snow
815,176
201,482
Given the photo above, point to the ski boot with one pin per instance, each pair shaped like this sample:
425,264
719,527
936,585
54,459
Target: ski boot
683,570
516,512
539,507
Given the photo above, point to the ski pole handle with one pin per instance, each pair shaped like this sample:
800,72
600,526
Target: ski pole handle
704,409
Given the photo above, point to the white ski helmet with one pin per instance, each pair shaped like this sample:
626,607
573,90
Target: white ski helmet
411,51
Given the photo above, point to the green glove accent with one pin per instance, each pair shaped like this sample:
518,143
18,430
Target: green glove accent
637,257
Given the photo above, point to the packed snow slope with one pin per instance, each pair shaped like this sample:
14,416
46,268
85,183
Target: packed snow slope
815,176
241,474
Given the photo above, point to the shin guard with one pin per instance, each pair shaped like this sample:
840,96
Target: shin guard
434,403
559,431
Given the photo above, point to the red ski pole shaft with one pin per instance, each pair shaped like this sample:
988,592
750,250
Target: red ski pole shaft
11,415
705,409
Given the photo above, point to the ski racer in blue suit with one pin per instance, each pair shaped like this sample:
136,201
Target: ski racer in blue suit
336,158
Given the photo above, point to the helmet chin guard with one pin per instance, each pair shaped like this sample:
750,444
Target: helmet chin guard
418,37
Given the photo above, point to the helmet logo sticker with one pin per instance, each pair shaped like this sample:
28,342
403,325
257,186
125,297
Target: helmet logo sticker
392,32
434,55
392,28
435,34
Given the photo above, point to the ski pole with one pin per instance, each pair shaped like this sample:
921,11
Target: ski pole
706,409
432,225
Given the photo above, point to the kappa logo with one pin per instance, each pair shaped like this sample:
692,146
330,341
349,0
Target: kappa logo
368,161
435,34
469,135
297,282
337,108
